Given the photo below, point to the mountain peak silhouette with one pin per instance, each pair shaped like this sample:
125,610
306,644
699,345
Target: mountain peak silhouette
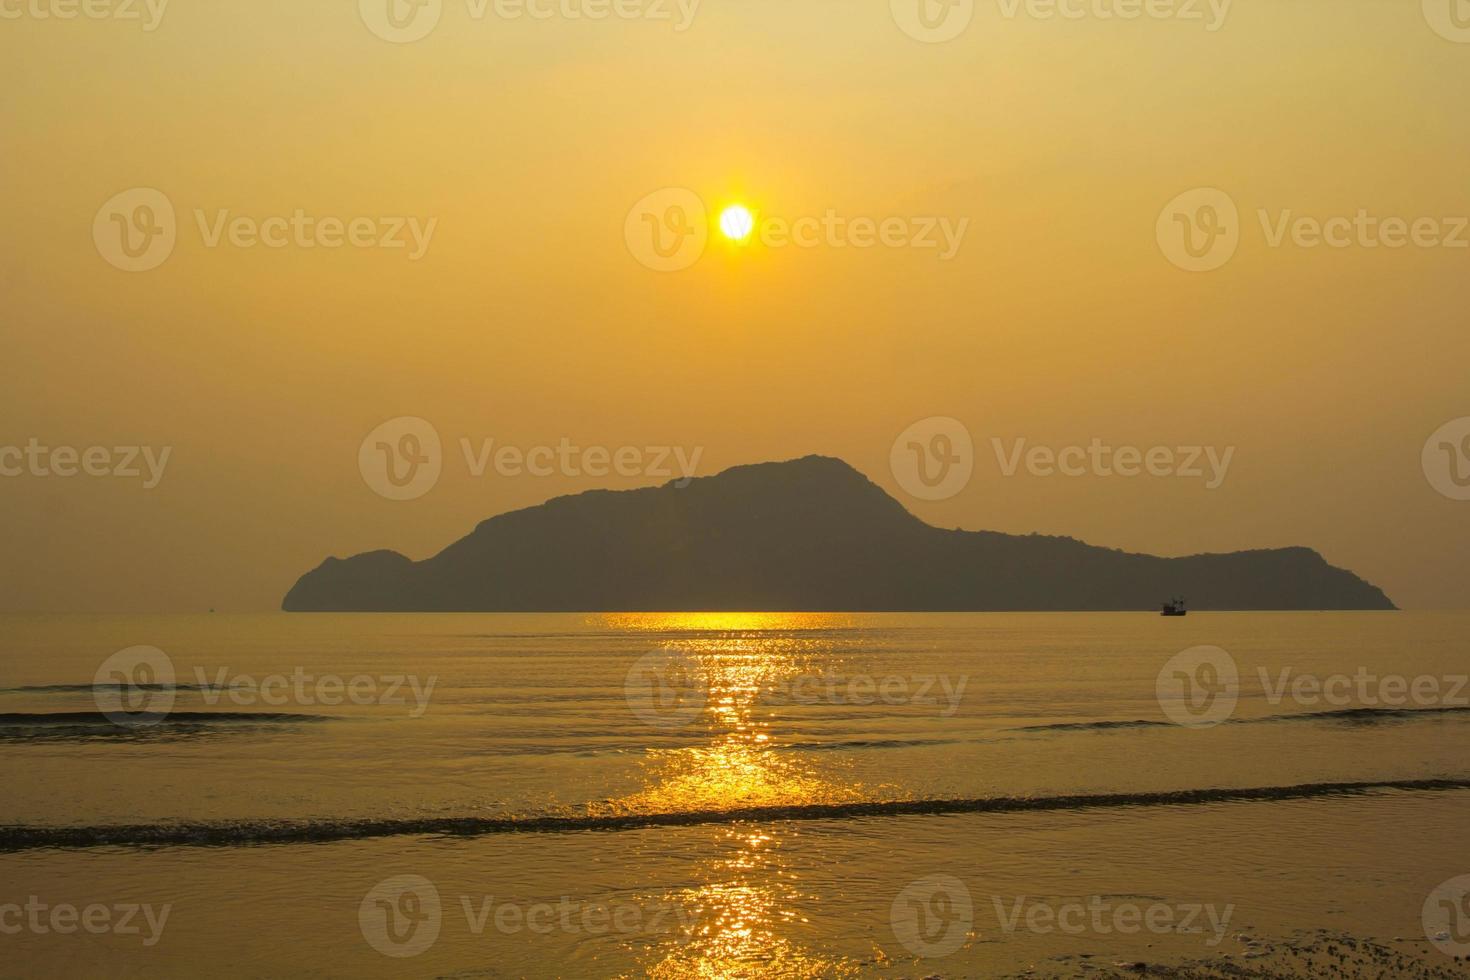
808,534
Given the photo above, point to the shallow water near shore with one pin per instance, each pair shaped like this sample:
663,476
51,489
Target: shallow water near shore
726,795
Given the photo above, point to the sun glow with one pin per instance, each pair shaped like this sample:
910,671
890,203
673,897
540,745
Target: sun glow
736,222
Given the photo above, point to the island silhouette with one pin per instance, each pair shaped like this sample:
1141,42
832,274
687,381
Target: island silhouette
810,534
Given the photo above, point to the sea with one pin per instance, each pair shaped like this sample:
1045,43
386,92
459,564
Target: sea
730,794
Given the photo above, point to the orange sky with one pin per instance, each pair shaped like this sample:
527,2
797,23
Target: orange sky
518,147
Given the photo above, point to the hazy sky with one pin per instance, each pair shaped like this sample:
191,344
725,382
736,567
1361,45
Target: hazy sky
519,145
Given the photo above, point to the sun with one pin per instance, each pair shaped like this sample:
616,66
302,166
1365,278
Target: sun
736,222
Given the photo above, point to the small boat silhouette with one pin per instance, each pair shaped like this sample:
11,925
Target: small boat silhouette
1174,607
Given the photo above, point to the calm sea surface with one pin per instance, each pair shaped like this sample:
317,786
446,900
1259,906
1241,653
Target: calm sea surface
720,795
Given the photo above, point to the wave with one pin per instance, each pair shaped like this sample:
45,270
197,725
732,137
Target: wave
870,743
244,833
1093,726
74,726
110,688
40,719
1361,714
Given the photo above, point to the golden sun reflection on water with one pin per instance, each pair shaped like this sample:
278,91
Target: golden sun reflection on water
722,622
729,776
747,906
739,658
746,917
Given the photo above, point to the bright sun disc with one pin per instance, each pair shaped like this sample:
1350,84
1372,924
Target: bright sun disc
737,222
